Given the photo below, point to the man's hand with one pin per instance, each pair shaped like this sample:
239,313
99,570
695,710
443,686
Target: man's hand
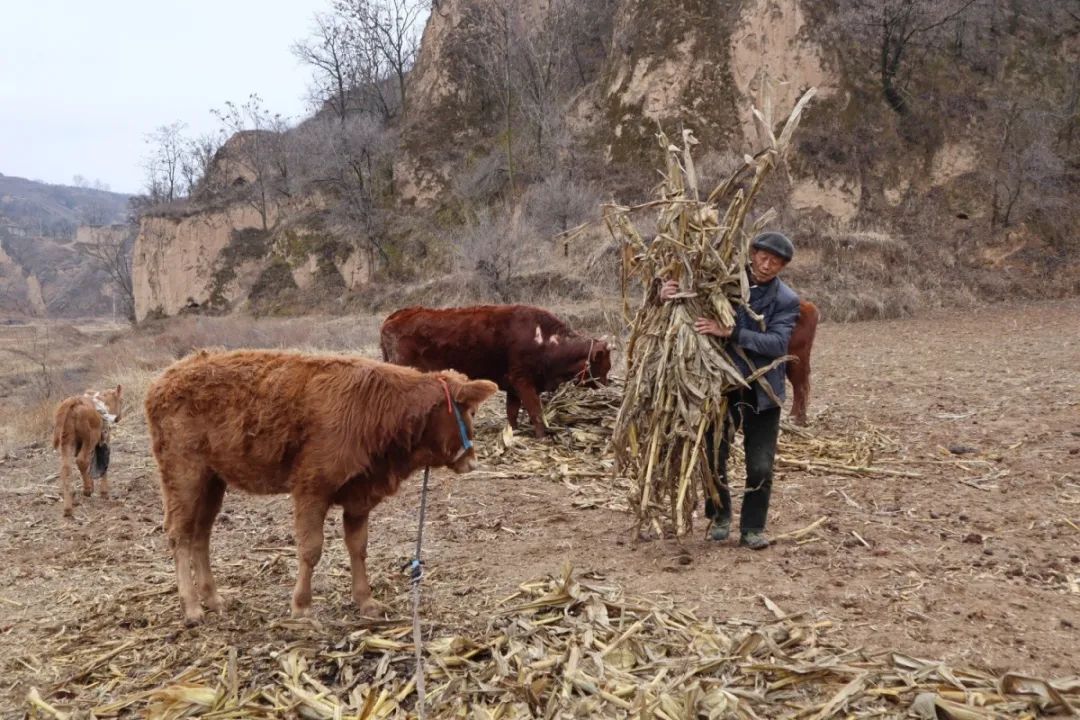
669,289
705,326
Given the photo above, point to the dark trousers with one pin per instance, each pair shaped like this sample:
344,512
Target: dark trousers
760,433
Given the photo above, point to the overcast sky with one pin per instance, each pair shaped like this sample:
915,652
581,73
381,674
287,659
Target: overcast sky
82,82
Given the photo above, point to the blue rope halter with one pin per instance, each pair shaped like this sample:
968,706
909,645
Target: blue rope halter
452,407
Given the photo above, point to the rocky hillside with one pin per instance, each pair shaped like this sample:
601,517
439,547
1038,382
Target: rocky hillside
947,174
42,270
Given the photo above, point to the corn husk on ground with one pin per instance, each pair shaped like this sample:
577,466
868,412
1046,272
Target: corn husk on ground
565,646
677,377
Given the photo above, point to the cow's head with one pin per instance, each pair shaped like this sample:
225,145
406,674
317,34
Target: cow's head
595,368
109,401
448,435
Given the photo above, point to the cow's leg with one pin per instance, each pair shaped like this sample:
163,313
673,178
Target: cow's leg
66,455
798,373
513,408
356,537
531,399
309,514
183,491
82,460
209,506
103,481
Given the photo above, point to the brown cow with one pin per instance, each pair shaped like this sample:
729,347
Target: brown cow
81,434
798,370
525,350
329,430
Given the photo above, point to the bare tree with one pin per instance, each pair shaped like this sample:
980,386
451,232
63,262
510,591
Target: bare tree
498,28
198,160
529,67
897,34
257,143
164,163
332,52
544,60
386,37
111,252
349,162
1025,160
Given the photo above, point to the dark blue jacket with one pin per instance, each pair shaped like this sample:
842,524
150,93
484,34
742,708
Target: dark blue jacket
779,306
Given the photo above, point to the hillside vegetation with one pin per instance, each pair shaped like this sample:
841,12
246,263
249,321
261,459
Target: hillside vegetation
939,165
44,270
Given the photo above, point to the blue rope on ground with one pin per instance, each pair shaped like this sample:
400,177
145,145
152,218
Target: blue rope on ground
416,573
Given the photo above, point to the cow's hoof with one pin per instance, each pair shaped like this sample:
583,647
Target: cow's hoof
298,613
371,608
68,512
213,603
191,619
88,491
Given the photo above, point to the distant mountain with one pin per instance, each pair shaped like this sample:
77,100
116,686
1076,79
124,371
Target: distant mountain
56,210
41,271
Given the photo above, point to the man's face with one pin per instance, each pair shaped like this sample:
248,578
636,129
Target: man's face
765,265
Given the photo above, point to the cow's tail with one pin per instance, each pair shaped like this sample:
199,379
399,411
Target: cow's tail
388,343
58,428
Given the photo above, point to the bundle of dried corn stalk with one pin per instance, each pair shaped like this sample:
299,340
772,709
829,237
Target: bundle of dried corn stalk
677,377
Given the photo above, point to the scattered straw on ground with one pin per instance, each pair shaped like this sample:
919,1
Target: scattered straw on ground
560,647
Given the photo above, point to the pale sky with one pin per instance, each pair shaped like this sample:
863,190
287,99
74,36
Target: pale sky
83,81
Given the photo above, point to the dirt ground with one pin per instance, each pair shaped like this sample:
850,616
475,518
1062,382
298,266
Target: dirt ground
976,562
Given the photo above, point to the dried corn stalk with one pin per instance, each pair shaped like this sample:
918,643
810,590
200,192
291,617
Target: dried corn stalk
676,377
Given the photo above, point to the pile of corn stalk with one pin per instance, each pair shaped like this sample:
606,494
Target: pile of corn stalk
569,646
677,377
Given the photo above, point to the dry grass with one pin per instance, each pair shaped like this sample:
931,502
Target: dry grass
43,363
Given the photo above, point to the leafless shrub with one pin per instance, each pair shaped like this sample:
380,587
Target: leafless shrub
482,180
894,35
257,143
559,203
111,253
349,163
497,247
1027,172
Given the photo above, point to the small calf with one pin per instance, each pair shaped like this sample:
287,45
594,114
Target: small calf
81,433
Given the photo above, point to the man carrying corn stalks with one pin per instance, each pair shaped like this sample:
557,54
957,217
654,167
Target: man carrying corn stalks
754,409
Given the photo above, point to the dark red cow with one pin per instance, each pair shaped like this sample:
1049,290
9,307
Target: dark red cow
798,370
525,350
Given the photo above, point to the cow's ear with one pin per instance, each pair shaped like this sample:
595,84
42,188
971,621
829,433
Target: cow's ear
474,392
119,389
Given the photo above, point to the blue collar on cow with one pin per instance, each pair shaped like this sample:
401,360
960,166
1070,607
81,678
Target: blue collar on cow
452,407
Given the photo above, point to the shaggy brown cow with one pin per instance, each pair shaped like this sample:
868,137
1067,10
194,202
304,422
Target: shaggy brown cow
524,349
329,430
798,370
81,434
